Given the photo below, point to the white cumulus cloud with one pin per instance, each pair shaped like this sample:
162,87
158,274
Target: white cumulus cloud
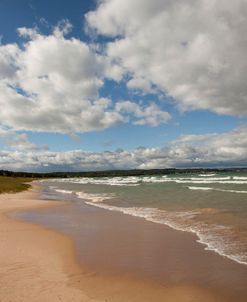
194,51
150,115
209,150
19,141
51,84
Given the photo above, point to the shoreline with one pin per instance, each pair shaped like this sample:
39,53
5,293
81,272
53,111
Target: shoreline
218,220
198,236
59,277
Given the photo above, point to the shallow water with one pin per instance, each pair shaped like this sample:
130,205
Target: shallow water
214,206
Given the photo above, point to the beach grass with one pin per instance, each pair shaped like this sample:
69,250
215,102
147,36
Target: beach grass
14,184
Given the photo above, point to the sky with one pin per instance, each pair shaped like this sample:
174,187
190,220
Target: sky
122,84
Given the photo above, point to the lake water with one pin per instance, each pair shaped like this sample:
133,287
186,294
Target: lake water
214,206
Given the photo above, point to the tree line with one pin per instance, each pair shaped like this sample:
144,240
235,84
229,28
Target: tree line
115,173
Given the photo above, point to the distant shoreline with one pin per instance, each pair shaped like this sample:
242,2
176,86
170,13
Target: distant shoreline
112,173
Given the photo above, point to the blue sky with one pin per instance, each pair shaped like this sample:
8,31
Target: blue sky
82,76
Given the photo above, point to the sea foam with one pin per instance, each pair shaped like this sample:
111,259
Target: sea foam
216,189
138,180
218,238
215,237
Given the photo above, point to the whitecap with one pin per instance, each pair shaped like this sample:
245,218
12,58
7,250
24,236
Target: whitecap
207,175
216,189
63,191
200,188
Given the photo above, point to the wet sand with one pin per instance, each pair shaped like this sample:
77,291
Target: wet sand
113,257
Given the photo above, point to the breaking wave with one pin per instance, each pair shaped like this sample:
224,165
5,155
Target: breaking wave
216,189
62,191
220,239
217,238
200,188
138,180
207,175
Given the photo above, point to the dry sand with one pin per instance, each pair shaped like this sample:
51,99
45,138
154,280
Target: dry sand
38,264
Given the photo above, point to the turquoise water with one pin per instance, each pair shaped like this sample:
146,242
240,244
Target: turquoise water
214,206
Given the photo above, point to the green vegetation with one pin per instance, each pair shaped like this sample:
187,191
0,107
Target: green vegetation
10,184
112,173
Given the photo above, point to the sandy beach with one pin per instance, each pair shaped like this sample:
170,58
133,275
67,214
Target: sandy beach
40,264
35,263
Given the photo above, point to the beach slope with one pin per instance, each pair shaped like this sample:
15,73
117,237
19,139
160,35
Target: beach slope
38,264
35,263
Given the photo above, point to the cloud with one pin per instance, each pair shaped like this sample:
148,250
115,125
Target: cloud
140,84
19,141
62,28
213,150
8,56
194,51
150,115
28,32
51,84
